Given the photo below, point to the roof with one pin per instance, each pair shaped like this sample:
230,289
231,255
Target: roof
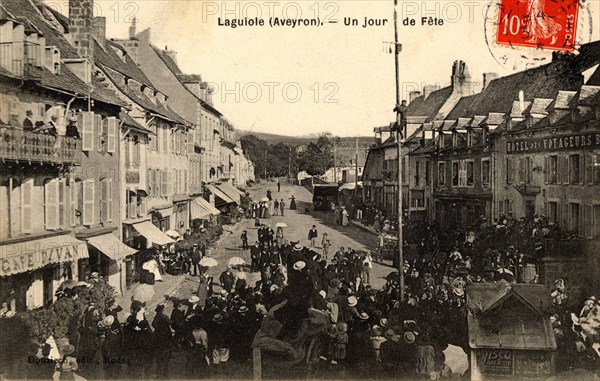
588,95
463,107
431,105
540,106
494,119
130,122
109,58
172,66
564,99
510,316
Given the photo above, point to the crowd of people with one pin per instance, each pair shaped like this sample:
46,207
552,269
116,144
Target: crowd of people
322,307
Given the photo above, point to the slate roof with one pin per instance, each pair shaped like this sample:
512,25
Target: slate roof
109,58
129,121
588,95
564,99
172,66
463,107
431,105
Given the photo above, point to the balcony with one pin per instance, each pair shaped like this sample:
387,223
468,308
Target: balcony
18,145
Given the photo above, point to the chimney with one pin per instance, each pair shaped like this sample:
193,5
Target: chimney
81,15
428,89
522,100
461,79
132,28
413,95
487,78
99,29
172,54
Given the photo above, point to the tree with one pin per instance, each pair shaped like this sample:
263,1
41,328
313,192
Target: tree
275,158
316,158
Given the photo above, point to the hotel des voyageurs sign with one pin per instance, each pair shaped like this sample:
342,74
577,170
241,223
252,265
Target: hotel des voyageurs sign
589,140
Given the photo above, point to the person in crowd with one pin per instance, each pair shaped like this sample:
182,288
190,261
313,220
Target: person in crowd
244,238
227,279
28,123
162,334
325,244
293,203
312,236
281,207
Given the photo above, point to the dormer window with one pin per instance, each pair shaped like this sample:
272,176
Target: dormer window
454,139
469,138
574,114
53,59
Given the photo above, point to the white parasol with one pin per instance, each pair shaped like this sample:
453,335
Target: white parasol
281,225
456,359
208,262
264,199
143,293
503,270
236,261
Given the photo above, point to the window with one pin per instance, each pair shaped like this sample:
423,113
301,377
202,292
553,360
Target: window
522,170
111,134
442,173
552,169
588,221
574,218
136,151
510,174
528,170
26,209
455,174
596,222
74,189
89,199
596,164
101,128
574,169
153,143
552,212
417,173
106,200
85,122
53,203
485,172
469,172
427,173
127,152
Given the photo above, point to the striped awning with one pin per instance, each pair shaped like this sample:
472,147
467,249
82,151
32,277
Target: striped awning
152,233
200,208
110,246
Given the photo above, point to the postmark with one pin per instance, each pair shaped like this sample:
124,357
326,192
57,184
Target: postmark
547,24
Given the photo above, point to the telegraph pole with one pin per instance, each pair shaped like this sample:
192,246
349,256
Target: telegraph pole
266,164
290,164
356,170
399,137
334,160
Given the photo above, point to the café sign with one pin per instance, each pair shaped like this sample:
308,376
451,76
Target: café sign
554,143
31,255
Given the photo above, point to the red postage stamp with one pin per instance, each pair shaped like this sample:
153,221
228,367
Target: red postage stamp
546,24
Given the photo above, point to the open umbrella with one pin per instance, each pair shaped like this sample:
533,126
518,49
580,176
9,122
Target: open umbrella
281,225
264,199
503,270
456,359
208,262
236,261
143,293
173,234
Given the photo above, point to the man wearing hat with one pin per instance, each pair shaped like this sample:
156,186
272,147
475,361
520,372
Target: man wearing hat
219,341
162,336
67,365
255,256
312,236
227,279
28,122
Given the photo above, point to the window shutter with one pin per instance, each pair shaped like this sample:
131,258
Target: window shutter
169,183
132,204
126,153
74,201
588,168
163,180
546,172
185,175
85,121
89,197
104,200
98,131
190,142
26,190
510,173
564,169
112,134
157,183
143,210
62,203
51,205
587,222
150,182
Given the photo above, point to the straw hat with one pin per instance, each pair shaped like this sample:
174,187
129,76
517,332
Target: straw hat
108,320
299,265
409,337
352,301
193,299
67,349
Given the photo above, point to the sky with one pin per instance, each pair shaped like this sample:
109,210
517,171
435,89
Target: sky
311,79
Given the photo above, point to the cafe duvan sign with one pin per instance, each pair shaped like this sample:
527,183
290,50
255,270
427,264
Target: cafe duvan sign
554,143
27,256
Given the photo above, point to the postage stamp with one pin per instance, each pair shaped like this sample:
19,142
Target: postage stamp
546,24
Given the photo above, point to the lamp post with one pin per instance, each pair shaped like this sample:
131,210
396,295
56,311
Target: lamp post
400,110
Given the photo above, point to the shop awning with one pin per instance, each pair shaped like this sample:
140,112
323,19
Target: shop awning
220,194
165,212
230,191
152,233
26,256
200,208
111,246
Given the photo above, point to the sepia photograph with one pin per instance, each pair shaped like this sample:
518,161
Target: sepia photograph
300,190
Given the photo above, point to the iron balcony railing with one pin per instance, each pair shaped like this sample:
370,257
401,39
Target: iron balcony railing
19,145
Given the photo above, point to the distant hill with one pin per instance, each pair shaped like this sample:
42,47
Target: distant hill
346,146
